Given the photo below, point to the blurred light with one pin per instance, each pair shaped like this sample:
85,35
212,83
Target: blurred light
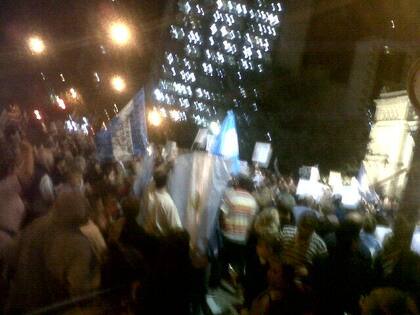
119,33
116,110
73,93
37,114
107,115
118,83
95,74
62,77
214,128
60,102
392,24
155,118
36,45
43,76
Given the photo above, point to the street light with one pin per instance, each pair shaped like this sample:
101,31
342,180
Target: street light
118,83
155,118
36,45
119,33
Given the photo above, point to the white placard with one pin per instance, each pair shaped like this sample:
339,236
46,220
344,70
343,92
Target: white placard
307,187
335,180
201,137
262,153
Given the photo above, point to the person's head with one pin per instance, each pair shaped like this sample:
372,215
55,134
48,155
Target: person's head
13,134
80,162
243,182
74,177
388,301
110,173
130,207
44,155
280,275
348,233
61,165
307,225
71,209
160,177
369,224
337,199
269,245
285,214
267,221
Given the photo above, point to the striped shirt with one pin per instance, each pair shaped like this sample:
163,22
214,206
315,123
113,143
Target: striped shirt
301,254
238,210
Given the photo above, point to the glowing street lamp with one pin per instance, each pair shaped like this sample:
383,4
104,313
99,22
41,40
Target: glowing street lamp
119,33
155,118
36,45
118,83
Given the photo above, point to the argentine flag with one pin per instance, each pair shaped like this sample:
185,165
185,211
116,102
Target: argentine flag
127,134
226,142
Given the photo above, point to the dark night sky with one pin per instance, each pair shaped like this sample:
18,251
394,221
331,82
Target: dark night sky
73,31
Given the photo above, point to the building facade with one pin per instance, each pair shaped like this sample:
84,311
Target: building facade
391,147
216,52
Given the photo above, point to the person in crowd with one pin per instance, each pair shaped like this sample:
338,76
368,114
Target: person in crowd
367,235
12,209
160,214
73,180
237,214
397,265
127,231
54,260
263,240
282,296
60,170
304,204
40,194
283,194
388,301
302,245
346,274
328,221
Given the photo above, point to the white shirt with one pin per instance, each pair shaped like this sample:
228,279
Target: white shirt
162,214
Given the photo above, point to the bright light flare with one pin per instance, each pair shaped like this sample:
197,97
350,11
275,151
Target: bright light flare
60,103
118,83
73,93
155,118
37,114
36,45
119,33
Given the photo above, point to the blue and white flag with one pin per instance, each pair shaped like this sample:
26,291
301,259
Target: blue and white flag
127,134
226,142
366,190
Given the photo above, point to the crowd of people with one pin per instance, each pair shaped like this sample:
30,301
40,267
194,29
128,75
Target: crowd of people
72,229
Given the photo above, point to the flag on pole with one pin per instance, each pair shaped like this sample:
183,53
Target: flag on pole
366,190
127,135
226,142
